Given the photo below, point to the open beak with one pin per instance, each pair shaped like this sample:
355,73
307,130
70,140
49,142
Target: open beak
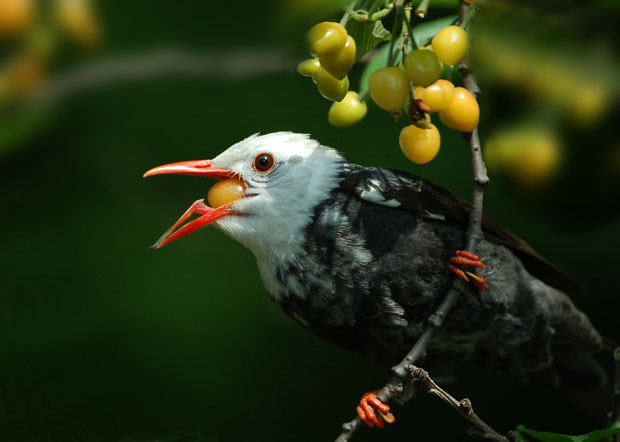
202,168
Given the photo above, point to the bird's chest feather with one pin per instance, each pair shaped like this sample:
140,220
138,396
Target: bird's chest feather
364,275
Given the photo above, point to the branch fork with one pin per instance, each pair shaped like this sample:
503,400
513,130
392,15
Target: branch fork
423,381
473,237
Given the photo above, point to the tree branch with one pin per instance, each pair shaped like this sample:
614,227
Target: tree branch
614,415
474,236
234,64
421,380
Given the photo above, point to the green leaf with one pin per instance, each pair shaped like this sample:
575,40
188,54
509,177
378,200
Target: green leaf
519,436
425,31
549,437
367,35
556,437
594,436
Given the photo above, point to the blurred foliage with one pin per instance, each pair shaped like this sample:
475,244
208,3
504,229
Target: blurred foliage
104,339
31,41
524,434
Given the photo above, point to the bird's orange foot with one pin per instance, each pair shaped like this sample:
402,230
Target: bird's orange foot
374,412
461,257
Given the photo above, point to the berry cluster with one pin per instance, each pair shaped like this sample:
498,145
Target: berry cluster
334,54
412,86
458,109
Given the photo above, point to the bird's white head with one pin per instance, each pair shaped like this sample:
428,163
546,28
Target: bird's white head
285,174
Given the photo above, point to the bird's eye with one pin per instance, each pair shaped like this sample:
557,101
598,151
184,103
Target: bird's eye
263,163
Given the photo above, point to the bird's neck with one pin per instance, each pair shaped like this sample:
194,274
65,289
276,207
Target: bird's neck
275,232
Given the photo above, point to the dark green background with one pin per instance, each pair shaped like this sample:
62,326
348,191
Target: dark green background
103,338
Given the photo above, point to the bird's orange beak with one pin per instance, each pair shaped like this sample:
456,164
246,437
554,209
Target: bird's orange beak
202,168
194,168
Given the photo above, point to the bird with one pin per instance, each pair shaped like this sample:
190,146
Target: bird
362,256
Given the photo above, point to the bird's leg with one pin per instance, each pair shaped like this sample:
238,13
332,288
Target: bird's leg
462,257
368,414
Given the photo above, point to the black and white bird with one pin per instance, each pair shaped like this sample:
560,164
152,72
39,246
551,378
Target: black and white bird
362,257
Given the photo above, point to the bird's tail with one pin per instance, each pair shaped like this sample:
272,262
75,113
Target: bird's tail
589,381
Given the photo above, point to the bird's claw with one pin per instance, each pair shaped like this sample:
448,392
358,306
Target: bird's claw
374,412
462,257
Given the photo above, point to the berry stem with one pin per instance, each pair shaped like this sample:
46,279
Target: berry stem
373,14
382,13
374,7
396,29
464,21
350,11
407,32
406,11
377,13
422,8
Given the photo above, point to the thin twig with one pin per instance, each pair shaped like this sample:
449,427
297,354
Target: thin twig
235,64
473,237
614,415
423,381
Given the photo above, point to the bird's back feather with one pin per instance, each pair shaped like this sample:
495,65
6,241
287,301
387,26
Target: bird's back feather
413,194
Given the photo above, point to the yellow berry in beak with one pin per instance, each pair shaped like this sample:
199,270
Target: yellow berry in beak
225,191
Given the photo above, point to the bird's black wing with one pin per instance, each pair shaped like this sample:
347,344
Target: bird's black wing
403,191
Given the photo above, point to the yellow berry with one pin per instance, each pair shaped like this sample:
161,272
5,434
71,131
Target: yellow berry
588,101
330,87
77,19
309,68
389,88
347,112
463,112
450,44
225,191
419,145
423,67
326,38
339,64
15,16
530,155
438,95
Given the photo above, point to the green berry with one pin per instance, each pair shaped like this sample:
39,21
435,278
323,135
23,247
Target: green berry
330,87
309,68
348,111
423,67
389,88
340,63
326,38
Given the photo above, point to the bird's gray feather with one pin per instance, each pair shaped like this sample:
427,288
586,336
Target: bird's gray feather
372,274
